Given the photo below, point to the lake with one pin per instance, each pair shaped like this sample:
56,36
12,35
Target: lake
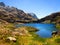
45,30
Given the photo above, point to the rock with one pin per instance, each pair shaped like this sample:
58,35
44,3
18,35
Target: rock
54,33
58,32
33,15
2,4
11,39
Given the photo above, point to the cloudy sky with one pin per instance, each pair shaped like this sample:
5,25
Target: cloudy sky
41,8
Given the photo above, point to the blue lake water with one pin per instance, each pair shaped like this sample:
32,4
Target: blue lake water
45,30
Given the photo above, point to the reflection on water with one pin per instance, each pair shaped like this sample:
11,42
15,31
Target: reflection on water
45,30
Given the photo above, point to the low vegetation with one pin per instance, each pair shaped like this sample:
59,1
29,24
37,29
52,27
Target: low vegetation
58,26
30,37
28,28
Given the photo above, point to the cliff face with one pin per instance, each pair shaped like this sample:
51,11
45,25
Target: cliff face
12,14
33,15
53,18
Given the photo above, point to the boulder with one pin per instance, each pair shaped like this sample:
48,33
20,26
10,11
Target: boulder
11,39
54,33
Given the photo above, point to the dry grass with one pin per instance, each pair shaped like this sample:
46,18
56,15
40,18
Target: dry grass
34,39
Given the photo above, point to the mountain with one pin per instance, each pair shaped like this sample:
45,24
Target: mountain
2,4
52,18
33,15
12,14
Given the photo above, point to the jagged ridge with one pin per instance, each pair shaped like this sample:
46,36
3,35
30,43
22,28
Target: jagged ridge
12,14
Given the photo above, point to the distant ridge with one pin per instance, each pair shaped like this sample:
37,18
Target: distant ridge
52,18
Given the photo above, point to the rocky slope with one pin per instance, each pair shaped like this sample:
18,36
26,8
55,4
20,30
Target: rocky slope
52,18
33,15
12,14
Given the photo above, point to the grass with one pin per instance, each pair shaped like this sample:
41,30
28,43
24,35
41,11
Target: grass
34,39
58,26
37,37
57,40
28,28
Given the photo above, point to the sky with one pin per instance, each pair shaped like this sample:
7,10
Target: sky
41,8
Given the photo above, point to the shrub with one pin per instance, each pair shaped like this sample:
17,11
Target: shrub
57,40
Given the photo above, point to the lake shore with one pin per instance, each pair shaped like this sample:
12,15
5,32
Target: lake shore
24,36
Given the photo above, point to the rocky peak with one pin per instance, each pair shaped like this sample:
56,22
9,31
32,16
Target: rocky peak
2,4
33,15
